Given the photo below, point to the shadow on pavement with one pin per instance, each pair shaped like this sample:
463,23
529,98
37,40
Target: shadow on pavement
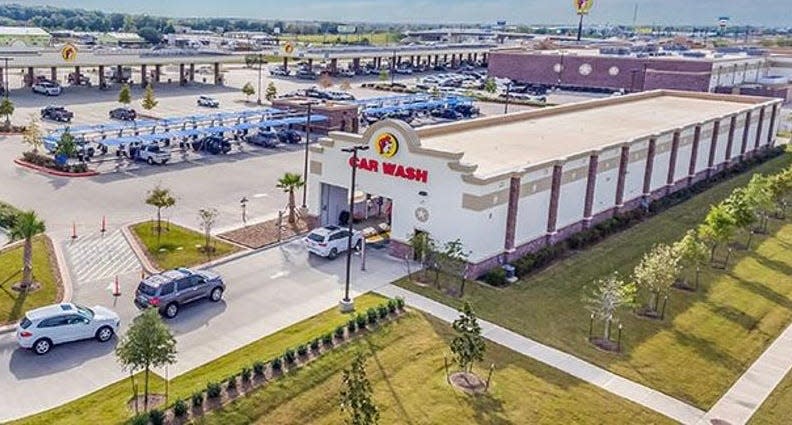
195,315
25,364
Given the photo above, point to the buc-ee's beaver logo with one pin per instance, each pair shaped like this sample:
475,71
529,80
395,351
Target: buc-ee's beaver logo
386,145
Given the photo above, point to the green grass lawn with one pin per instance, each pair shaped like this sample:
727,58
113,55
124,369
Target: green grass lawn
180,245
108,405
405,366
775,409
14,304
708,338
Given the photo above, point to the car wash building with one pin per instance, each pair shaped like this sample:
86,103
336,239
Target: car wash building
511,184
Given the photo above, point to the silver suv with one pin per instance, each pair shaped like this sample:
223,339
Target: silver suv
170,290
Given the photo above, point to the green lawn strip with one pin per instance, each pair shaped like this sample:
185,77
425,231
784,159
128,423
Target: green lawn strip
14,304
108,405
707,339
405,366
775,409
174,237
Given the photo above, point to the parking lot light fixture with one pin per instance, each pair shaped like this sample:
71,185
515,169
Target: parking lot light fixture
346,303
243,202
305,160
258,92
4,81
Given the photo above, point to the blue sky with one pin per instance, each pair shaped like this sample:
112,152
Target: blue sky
753,12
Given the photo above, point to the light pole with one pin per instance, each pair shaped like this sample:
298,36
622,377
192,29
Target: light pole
243,202
258,101
506,105
5,76
305,161
346,303
392,69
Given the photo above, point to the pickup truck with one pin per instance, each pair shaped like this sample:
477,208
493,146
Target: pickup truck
57,113
152,154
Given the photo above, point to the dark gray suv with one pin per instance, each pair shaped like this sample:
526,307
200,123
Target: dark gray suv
170,290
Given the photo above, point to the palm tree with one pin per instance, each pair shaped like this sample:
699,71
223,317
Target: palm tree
289,182
26,226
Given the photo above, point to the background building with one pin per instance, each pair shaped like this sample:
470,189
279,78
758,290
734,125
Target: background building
24,37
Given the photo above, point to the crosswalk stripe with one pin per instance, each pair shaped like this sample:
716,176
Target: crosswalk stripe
95,257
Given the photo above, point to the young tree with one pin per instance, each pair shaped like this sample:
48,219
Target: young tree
160,198
125,95
248,90
345,85
742,208
692,253
759,192
718,228
7,109
207,218
33,135
384,75
271,93
66,145
490,86
149,101
148,343
357,404
424,250
656,273
325,81
780,187
468,345
453,260
289,183
607,296
26,226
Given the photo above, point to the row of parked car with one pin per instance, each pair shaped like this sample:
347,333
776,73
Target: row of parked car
316,93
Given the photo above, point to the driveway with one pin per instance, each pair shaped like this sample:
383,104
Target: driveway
267,291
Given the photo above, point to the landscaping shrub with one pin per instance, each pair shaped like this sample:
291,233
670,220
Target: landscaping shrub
382,311
302,350
400,303
315,344
339,332
277,364
327,339
197,399
289,356
179,408
258,368
245,374
360,321
392,305
49,162
156,417
213,390
351,325
141,419
495,277
231,383
8,215
371,315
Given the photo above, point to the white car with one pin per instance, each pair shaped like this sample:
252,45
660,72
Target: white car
44,327
207,101
47,88
329,241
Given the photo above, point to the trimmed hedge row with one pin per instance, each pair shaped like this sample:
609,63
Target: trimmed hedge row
543,257
48,162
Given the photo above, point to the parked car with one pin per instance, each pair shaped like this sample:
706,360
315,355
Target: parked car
124,113
306,74
289,136
348,73
47,88
152,154
404,70
329,241
170,290
279,71
80,79
57,113
267,139
207,101
215,144
45,327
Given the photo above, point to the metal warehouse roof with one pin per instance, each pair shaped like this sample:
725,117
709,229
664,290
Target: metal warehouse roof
21,31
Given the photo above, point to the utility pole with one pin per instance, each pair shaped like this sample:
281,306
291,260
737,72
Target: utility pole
305,162
258,92
346,303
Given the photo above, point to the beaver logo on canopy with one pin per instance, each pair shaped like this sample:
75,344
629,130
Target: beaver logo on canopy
69,52
386,145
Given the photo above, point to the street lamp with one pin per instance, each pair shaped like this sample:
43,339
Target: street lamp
305,161
506,105
258,101
346,303
393,67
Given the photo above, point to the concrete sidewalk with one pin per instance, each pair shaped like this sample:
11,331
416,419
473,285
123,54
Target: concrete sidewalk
745,397
647,397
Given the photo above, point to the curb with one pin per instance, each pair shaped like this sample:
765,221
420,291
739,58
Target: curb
56,173
141,256
65,279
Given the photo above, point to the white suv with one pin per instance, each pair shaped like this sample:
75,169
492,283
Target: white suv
44,327
329,241
50,89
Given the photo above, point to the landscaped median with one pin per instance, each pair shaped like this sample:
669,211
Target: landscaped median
406,367
176,246
14,303
707,338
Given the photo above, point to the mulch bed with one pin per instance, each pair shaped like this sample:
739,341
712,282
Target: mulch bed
467,382
263,234
606,345
154,401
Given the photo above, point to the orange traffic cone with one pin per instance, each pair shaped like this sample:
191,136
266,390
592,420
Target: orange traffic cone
74,230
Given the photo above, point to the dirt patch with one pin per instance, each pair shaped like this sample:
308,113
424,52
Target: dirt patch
468,382
606,345
33,287
154,400
263,234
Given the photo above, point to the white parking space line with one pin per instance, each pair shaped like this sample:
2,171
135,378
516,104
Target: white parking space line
95,257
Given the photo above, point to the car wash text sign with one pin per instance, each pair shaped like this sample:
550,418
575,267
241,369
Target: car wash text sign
386,145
